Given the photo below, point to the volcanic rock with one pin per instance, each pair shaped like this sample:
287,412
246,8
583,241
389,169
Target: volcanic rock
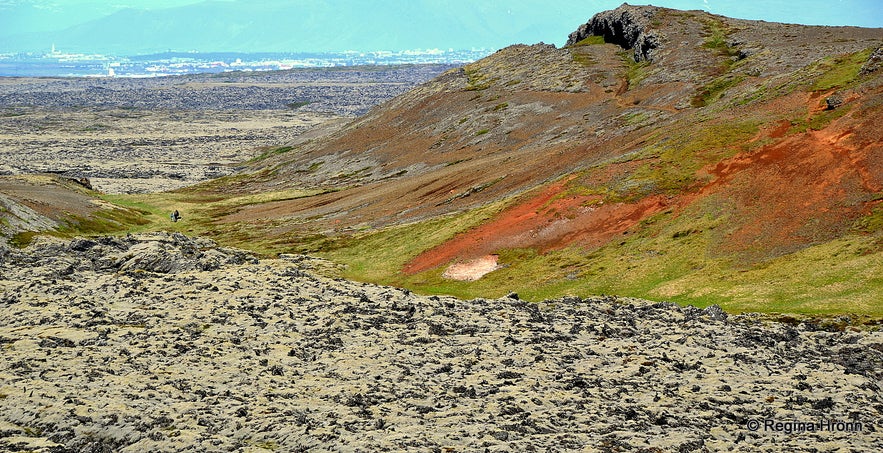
136,344
874,62
626,26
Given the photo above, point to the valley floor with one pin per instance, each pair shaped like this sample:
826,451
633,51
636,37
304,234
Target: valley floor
160,342
144,135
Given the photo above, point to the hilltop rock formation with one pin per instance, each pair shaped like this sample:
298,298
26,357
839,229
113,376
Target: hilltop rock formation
626,26
98,355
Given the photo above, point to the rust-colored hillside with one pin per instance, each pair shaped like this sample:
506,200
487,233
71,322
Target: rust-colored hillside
661,154
762,138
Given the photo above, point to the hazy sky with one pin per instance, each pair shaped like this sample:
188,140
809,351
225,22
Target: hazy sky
23,16
44,15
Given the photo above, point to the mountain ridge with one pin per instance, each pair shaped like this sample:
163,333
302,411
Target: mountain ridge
655,125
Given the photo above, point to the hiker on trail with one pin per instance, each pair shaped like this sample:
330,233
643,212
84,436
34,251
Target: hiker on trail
175,216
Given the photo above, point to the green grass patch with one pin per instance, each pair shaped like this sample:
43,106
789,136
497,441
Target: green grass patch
635,71
482,132
671,165
591,41
270,152
379,256
199,213
716,34
872,223
475,79
760,92
582,58
818,121
106,221
23,239
840,71
821,120
714,90
635,118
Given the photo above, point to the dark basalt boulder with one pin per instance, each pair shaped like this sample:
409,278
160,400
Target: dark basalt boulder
626,26
832,102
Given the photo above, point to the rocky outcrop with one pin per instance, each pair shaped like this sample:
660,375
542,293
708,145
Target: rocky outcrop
163,253
832,102
107,346
16,217
874,62
627,26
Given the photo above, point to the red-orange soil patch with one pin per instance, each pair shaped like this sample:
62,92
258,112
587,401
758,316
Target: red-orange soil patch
804,189
548,221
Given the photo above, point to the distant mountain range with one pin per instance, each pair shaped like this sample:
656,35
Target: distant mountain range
301,26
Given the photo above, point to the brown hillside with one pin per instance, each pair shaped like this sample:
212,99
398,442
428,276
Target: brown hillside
716,111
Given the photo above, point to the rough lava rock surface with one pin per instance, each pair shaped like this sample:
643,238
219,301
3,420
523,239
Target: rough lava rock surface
162,342
874,61
626,26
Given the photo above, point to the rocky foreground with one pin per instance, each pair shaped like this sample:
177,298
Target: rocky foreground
165,343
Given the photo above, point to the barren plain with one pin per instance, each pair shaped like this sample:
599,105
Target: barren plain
158,134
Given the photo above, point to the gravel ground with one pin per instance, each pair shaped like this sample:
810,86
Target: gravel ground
160,342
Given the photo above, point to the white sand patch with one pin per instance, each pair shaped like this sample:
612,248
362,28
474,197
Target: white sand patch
472,270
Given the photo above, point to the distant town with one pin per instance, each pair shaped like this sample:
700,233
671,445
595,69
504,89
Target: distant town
57,63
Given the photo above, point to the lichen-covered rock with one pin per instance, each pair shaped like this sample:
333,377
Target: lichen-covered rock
874,62
626,26
832,102
162,342
151,252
